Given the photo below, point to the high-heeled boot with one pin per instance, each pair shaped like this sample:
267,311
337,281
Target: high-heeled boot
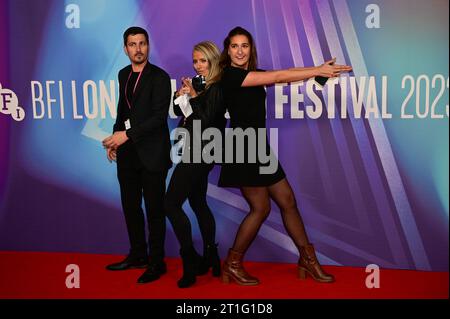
308,264
211,259
191,263
233,269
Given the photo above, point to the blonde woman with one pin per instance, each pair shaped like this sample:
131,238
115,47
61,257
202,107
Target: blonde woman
190,179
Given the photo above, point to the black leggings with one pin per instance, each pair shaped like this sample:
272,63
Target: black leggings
190,181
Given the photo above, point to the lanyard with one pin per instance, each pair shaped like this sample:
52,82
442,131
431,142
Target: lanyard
135,85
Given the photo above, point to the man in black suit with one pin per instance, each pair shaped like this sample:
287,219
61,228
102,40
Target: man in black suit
141,145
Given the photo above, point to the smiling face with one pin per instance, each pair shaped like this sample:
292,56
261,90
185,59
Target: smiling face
239,51
137,48
200,63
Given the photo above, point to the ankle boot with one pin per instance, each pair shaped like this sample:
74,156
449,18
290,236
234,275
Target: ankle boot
309,265
191,262
211,259
233,269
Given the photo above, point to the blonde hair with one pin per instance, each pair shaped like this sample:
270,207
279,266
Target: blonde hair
212,55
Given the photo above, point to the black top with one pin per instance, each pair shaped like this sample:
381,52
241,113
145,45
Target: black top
131,84
126,111
246,106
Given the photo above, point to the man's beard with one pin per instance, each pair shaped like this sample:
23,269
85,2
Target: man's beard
139,61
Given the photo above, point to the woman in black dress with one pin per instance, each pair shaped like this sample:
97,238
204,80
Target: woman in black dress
190,179
244,95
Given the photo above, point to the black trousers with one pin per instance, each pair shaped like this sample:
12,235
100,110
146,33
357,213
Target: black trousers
136,182
190,181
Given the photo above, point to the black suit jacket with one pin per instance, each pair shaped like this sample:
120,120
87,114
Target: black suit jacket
149,109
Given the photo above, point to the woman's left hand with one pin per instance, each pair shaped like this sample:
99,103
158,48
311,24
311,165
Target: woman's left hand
330,70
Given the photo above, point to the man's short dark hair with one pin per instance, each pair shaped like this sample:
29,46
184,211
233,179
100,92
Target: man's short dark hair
134,31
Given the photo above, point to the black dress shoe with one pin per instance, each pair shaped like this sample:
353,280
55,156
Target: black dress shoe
153,272
129,263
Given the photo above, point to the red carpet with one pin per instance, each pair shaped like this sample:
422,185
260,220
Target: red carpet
42,276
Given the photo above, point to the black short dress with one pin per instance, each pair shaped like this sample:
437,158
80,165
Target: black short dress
246,106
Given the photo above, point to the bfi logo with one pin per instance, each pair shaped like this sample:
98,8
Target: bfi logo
9,104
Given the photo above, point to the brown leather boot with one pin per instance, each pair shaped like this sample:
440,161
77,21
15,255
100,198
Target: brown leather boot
233,269
308,264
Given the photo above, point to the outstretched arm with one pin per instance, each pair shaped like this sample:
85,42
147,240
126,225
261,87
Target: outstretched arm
328,69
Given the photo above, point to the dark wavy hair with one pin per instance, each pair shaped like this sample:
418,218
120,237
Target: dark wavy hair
225,59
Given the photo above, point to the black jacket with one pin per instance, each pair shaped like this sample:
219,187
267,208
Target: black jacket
209,108
149,108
